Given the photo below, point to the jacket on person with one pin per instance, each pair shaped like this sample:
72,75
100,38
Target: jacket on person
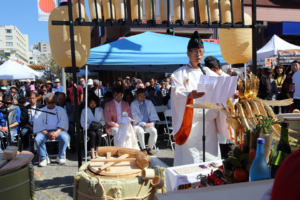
138,115
155,87
156,99
98,117
25,113
70,109
111,115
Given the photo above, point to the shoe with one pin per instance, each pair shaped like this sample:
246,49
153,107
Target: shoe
145,152
44,162
150,152
61,161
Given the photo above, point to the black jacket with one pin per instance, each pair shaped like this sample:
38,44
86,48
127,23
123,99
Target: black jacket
24,114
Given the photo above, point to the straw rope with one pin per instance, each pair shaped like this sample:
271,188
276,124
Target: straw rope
13,187
32,183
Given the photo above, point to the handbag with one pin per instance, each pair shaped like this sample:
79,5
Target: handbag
95,126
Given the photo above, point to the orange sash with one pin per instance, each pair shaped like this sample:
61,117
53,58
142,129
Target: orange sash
185,129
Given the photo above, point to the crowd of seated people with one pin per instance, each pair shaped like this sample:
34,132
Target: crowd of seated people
104,112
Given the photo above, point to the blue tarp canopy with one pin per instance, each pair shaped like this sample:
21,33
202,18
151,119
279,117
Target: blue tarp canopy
145,52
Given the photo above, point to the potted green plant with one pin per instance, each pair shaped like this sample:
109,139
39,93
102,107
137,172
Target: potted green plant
264,125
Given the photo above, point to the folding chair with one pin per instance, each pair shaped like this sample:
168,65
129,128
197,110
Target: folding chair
161,109
16,136
168,114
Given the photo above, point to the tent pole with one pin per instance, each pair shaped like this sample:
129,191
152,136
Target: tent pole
254,37
85,99
71,26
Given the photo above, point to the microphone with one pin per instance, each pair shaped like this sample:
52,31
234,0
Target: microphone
200,66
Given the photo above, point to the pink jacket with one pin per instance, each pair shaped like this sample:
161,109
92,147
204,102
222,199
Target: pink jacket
110,114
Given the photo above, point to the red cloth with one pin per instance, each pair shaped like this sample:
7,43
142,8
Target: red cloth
70,94
287,179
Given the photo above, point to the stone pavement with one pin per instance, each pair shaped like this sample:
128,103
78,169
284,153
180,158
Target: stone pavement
55,181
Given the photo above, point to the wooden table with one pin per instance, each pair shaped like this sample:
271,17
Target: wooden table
238,191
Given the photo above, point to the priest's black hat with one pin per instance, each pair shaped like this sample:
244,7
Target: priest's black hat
211,62
195,41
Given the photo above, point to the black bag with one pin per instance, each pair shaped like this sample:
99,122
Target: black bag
95,126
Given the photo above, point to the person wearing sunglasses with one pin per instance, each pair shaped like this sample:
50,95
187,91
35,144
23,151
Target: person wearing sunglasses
51,127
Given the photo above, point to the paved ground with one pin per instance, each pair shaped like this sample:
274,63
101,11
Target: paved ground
56,182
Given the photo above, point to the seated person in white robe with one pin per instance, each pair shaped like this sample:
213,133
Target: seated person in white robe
51,127
145,117
188,122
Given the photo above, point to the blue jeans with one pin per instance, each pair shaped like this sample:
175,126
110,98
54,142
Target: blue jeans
12,133
41,138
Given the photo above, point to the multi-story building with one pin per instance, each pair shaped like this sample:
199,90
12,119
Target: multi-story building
14,44
43,47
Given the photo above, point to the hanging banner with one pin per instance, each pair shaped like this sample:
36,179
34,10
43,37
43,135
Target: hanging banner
270,62
285,57
45,7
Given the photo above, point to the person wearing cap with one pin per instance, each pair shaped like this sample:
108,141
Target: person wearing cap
188,122
96,88
49,86
267,86
58,87
14,92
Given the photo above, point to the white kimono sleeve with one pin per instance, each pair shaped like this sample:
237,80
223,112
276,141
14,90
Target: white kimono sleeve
82,120
222,125
179,97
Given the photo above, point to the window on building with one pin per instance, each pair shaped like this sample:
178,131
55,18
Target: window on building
9,44
44,44
45,47
45,50
9,37
30,58
7,54
7,30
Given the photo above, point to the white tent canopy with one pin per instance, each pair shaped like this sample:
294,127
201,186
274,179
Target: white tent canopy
275,43
31,70
11,70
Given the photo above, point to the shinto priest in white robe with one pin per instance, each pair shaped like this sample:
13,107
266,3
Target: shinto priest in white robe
188,122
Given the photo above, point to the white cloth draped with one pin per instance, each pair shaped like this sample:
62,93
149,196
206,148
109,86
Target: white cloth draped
125,137
184,80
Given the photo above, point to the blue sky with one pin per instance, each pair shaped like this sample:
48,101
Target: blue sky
24,15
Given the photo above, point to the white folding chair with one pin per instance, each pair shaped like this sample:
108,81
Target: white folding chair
168,114
161,109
